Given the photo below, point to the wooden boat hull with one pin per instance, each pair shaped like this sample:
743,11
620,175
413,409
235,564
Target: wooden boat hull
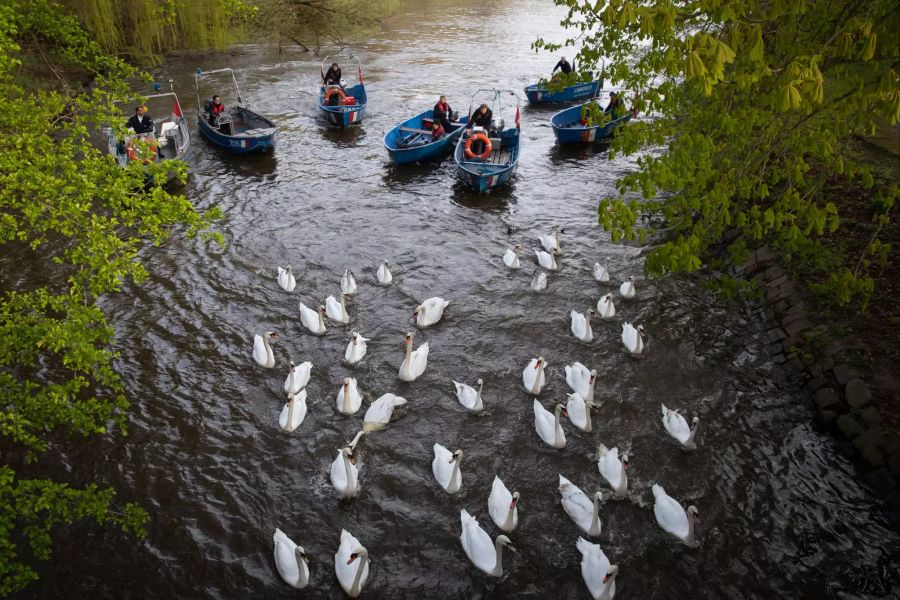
493,172
344,116
568,129
252,133
406,146
539,95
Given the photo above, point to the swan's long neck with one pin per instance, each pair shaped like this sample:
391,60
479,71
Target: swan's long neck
343,308
290,418
269,355
589,426
351,480
478,395
690,440
321,320
589,399
691,540
347,407
595,517
455,472
408,349
536,388
303,578
498,566
557,240
355,589
639,347
509,518
556,428
291,381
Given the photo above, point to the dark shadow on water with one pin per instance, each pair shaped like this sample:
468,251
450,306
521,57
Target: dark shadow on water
205,156
563,154
342,138
401,176
495,200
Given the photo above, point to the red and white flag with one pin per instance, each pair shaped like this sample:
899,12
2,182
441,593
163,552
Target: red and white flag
176,109
360,74
518,123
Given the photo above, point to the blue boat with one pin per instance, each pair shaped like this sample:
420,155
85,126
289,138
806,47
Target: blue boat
568,129
496,164
538,94
237,129
339,105
412,140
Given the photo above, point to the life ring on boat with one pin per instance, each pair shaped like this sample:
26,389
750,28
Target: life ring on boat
331,91
138,154
487,146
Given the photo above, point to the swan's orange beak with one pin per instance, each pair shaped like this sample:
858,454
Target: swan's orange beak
513,503
605,577
452,460
352,558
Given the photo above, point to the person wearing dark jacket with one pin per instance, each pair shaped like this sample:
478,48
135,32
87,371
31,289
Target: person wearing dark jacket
140,121
563,65
482,117
216,108
333,76
441,113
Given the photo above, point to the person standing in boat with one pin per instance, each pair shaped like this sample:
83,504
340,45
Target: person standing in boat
333,76
140,121
216,108
563,65
442,112
482,117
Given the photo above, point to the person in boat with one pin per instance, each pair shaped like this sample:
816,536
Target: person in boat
442,112
437,131
614,109
563,65
216,108
482,117
333,76
140,121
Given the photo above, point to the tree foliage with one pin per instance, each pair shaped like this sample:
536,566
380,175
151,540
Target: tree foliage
69,208
750,109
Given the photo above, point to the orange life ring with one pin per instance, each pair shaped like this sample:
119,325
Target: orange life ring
487,146
138,154
331,91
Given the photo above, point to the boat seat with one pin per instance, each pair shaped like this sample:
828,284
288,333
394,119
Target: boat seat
414,130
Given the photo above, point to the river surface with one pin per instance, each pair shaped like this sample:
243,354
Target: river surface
783,514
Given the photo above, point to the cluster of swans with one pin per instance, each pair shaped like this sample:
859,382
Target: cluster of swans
352,559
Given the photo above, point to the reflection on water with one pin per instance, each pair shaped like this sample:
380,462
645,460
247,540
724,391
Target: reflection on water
783,514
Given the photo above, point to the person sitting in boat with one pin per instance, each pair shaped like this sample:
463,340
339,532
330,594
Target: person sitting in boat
437,131
442,112
482,117
216,108
140,121
563,65
333,76
615,108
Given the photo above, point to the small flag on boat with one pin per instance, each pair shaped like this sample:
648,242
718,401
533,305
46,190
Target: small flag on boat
176,109
360,74
518,124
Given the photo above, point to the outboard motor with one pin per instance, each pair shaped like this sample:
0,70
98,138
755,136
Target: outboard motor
454,116
207,105
497,124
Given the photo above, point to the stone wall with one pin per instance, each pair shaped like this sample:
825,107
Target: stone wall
838,391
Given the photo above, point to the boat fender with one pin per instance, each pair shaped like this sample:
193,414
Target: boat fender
487,146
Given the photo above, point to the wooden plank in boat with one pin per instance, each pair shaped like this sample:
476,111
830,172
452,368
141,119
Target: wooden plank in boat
414,130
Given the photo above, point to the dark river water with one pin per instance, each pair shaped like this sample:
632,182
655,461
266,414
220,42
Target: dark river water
783,514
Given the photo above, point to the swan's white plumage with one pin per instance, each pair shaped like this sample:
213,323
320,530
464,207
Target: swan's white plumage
671,516
469,397
477,545
262,351
579,412
502,506
291,417
605,307
345,474
598,574
582,509
548,426
550,243
348,283
336,311
414,362
301,374
581,326
430,311
582,381
626,290
286,279
539,282
677,427
383,274
351,575
379,413
612,468
290,563
511,257
356,348
546,260
601,273
633,339
349,400
533,377
312,319
446,468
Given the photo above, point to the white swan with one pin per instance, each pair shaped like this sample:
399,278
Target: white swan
349,400
539,282
351,577
678,428
290,560
672,517
613,468
581,325
262,351
502,506
445,467
313,320
551,242
348,283
297,377
414,363
511,257
477,545
601,272
584,511
582,381
293,413
430,311
336,311
547,425
469,397
380,411
383,274
533,377
546,260
579,412
626,290
344,472
605,307
286,279
598,574
356,349
633,339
